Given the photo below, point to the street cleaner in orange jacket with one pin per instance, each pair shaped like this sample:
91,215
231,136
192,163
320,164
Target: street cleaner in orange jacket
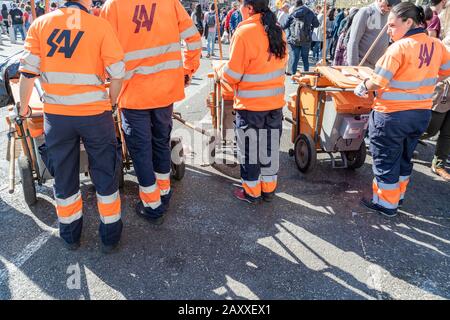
256,71
405,78
71,51
150,32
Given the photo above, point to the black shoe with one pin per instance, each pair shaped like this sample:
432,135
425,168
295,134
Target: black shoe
140,210
268,197
72,246
108,249
390,213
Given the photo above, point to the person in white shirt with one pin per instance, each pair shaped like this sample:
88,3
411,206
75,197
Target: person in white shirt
283,14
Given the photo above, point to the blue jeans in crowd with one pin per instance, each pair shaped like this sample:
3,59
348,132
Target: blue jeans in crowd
18,28
316,47
211,42
294,53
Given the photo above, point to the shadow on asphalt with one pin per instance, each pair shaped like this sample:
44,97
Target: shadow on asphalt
312,242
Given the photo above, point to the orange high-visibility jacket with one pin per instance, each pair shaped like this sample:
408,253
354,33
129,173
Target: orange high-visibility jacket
150,32
408,73
256,74
72,50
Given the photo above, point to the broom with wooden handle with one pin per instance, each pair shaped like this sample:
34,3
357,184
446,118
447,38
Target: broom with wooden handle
373,45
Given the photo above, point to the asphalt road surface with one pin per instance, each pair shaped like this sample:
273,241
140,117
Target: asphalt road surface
314,241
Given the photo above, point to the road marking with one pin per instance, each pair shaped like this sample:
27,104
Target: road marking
26,254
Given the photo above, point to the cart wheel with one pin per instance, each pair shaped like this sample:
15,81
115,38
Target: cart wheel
178,170
291,152
26,174
305,153
356,159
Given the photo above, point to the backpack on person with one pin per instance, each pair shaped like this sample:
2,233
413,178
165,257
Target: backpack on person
301,33
211,21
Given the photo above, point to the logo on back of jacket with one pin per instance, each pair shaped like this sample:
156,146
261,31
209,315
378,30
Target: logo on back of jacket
425,55
64,42
142,18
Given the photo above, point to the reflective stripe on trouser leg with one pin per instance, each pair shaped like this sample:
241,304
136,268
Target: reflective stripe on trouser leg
151,199
70,217
69,209
163,181
386,195
268,183
110,214
252,188
404,181
109,208
247,142
150,196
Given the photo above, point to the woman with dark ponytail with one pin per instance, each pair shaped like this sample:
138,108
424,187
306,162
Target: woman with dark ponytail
440,114
256,72
405,78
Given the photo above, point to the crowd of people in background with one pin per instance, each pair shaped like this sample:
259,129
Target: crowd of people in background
16,19
349,34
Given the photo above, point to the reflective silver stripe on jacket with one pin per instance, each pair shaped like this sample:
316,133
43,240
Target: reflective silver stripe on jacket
384,73
194,45
189,32
117,70
232,74
152,52
260,93
263,76
71,78
445,67
76,99
399,96
30,62
406,85
144,70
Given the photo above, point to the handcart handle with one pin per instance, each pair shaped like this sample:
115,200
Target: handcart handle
177,116
12,162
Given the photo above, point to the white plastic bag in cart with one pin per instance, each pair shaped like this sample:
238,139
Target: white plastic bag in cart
225,39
